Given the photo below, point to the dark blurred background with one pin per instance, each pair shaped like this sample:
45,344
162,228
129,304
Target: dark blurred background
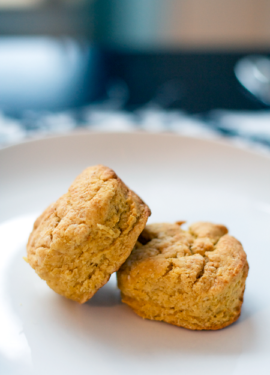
62,54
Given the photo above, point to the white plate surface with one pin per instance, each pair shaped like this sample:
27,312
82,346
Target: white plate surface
181,179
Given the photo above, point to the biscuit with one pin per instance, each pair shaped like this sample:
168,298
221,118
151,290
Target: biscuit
193,279
85,236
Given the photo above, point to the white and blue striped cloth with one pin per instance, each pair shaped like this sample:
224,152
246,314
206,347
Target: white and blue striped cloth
247,129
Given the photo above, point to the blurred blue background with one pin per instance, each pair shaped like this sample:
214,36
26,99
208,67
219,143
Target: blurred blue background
66,54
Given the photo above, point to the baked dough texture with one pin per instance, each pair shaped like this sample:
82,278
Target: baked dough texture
85,236
193,279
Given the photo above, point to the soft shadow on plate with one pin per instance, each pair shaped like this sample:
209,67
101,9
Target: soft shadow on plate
108,296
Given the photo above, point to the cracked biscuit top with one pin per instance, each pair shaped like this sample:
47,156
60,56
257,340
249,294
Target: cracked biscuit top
85,236
205,255
194,278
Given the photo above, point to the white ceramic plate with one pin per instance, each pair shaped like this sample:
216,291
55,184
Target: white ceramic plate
181,179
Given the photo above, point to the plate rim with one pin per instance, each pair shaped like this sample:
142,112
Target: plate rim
227,143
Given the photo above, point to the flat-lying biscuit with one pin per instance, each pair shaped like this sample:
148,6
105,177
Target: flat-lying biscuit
193,279
85,236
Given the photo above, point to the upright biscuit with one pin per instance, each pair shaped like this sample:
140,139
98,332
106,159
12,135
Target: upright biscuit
193,279
85,236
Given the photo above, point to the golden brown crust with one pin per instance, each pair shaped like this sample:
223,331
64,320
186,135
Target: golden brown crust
85,236
194,279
